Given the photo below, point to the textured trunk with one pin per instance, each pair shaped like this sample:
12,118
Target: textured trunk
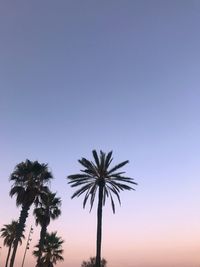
99,226
48,261
8,256
41,243
20,230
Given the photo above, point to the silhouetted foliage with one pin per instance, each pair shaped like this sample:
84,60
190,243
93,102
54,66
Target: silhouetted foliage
52,250
92,262
30,179
48,208
98,177
8,232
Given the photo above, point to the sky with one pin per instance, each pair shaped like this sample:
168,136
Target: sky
112,75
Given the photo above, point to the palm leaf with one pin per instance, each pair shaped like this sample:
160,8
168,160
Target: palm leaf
81,190
108,160
113,189
96,158
120,165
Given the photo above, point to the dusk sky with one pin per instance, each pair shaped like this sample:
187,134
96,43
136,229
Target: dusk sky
121,75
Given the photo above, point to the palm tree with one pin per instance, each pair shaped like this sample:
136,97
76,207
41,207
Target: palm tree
52,250
30,179
98,177
47,208
92,262
8,232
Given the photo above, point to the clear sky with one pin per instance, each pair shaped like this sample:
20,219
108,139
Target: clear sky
113,75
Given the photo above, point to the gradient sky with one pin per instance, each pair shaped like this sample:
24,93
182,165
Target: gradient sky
111,75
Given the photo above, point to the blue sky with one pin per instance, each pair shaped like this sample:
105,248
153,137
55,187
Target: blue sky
111,75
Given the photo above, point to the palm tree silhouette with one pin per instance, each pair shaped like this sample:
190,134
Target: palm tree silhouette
47,208
30,179
98,178
52,250
8,232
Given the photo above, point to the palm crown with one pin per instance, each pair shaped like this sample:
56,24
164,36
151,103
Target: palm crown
29,179
47,208
99,174
8,232
52,250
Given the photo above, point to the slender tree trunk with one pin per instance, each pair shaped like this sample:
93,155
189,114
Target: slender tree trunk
48,261
99,226
20,230
41,243
8,256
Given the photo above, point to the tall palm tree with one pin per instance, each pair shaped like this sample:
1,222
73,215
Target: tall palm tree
8,232
29,182
48,208
98,178
52,250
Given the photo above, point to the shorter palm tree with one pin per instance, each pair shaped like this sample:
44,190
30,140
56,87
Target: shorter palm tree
52,250
8,232
47,209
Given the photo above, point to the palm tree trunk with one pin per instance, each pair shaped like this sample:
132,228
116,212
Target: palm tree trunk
8,256
20,230
99,226
41,243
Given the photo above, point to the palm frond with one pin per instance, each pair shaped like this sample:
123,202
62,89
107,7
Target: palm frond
118,166
115,191
122,179
102,163
112,203
86,197
81,190
123,186
93,194
77,176
108,160
88,165
96,158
